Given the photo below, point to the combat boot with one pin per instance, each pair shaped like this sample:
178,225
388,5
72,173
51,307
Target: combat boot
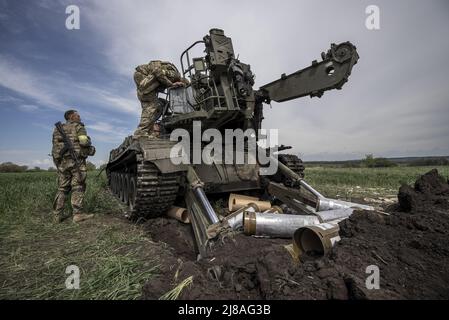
139,136
58,218
153,136
81,217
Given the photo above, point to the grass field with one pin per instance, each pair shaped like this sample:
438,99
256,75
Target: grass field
34,252
115,257
365,182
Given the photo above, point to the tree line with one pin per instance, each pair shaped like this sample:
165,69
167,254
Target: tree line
370,161
12,167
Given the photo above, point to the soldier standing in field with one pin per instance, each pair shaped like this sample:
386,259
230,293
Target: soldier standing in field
71,172
151,78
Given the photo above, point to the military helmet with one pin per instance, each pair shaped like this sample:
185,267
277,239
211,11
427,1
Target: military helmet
170,65
171,71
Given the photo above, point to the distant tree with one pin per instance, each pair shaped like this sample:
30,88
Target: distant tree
90,166
429,162
383,162
51,169
368,161
12,167
371,162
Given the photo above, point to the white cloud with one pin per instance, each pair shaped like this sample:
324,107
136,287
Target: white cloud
106,132
41,163
28,157
99,163
379,110
15,152
25,82
118,103
10,99
51,91
28,107
44,126
395,101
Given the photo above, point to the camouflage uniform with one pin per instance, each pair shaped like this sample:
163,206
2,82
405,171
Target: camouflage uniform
150,79
70,177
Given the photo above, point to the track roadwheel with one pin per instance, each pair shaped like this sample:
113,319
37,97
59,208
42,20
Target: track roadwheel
125,188
114,183
117,184
132,192
121,185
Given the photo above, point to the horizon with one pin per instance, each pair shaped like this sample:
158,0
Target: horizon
305,161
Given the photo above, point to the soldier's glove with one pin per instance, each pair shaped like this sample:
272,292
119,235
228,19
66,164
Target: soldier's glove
178,84
185,81
92,151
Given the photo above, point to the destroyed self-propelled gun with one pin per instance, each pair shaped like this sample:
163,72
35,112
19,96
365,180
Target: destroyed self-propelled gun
150,175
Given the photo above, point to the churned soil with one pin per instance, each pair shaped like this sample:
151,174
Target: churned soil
409,245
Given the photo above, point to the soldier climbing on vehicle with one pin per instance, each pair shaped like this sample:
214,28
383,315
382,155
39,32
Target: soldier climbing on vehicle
150,79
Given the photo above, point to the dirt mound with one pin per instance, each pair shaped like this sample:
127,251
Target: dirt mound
178,236
411,250
429,189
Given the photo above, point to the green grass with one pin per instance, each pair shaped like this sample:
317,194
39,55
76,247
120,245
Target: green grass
112,254
32,191
115,257
362,182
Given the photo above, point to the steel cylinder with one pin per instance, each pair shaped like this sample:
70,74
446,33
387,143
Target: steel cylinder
274,209
316,240
235,219
330,215
274,224
325,204
202,198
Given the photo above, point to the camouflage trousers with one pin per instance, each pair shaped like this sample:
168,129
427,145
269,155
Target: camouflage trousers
150,108
74,180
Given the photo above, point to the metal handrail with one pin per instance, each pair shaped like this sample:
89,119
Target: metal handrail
185,52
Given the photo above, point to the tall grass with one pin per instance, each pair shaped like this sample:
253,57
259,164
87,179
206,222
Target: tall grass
114,257
21,193
357,182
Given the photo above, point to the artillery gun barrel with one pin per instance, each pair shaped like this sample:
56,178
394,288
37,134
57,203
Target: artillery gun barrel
210,212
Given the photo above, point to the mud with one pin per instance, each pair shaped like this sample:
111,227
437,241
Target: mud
429,189
409,245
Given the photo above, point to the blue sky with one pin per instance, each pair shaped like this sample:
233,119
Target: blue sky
46,69
396,102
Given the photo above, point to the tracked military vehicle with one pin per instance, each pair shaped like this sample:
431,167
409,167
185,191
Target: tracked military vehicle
145,174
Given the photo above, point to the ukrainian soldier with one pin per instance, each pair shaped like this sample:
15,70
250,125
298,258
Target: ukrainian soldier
150,79
71,147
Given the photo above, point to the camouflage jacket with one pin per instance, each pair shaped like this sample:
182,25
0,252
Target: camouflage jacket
155,76
77,134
